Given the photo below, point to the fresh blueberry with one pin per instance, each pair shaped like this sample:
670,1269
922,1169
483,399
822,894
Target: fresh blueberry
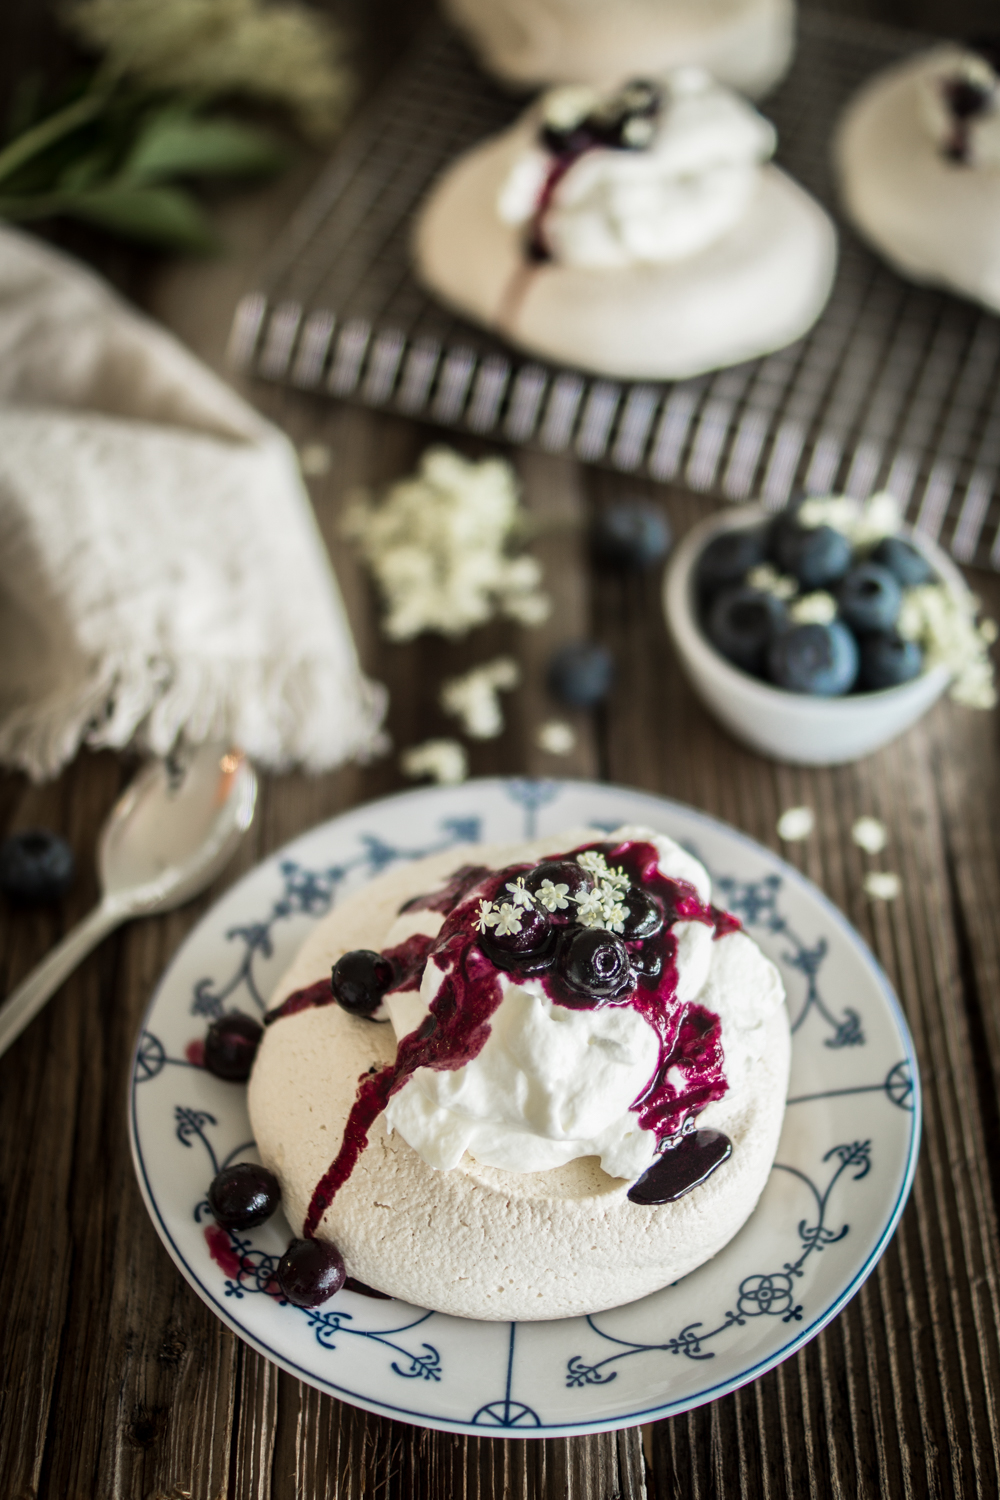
231,1046
631,534
359,980
596,963
530,950
741,624
729,557
581,674
818,659
244,1195
35,866
645,916
559,872
887,660
816,555
311,1272
906,563
869,598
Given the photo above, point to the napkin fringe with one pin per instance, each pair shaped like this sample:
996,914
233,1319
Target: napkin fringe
312,713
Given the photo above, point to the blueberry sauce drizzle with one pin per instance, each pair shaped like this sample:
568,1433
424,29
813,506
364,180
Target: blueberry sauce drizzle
689,1073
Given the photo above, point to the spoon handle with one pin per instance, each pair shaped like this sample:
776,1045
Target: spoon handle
27,1000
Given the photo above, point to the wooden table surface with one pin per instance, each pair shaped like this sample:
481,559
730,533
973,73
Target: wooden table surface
116,1381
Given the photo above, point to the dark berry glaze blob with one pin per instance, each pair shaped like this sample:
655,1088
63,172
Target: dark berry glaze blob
686,1166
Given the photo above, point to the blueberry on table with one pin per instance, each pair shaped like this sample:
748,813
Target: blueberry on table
906,563
244,1195
581,674
311,1272
231,1046
596,963
729,557
817,659
869,598
35,866
741,624
631,534
887,661
359,980
816,555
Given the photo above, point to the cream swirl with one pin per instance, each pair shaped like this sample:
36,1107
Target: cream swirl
685,180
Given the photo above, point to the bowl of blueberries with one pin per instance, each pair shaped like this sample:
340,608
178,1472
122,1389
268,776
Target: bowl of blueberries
789,633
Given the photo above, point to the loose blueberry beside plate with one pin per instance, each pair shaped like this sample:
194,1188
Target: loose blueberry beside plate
244,1195
231,1045
869,598
887,660
581,674
631,534
817,659
311,1272
35,866
359,980
741,624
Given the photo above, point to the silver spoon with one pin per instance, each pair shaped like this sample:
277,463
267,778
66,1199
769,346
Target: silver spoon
167,837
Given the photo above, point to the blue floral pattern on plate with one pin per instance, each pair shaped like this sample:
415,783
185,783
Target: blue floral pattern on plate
843,1172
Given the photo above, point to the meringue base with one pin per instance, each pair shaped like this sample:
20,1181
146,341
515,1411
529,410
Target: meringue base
746,44
759,287
476,1241
934,220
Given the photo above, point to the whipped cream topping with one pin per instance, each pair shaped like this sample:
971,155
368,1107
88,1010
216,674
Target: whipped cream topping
960,106
676,179
551,1083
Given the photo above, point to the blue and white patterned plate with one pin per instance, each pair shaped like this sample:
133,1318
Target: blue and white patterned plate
842,1175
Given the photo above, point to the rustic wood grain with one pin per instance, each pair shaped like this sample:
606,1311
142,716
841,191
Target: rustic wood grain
116,1381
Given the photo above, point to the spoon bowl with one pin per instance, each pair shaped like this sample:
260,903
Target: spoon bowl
167,837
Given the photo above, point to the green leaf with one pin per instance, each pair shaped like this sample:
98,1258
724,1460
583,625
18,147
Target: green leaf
178,145
164,216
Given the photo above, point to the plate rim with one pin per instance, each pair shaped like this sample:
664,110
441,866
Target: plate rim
661,1410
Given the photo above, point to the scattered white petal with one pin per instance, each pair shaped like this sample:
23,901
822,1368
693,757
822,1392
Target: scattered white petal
882,885
444,761
869,834
945,627
556,737
437,544
863,522
813,609
475,697
767,580
795,824
315,459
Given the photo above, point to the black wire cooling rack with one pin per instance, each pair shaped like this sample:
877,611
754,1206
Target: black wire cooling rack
895,387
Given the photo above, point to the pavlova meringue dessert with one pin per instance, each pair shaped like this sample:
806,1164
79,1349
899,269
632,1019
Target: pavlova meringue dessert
524,1082
745,43
917,153
640,232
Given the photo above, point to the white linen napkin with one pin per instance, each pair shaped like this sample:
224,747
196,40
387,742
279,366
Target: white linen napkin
161,572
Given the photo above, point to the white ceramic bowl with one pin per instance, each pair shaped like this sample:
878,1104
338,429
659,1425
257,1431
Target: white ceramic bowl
791,726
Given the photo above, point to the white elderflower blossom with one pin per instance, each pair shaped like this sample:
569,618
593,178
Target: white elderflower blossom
882,885
590,908
863,522
437,546
945,627
554,897
474,697
444,761
287,52
488,915
508,921
796,824
519,894
593,862
819,608
766,579
602,907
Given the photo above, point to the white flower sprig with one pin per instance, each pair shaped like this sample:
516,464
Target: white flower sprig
475,697
437,544
553,896
603,905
